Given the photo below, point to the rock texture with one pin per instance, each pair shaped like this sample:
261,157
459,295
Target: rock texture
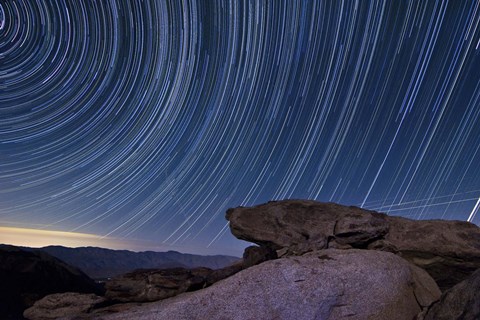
220,274
302,226
28,276
448,250
153,285
254,255
59,305
327,284
460,302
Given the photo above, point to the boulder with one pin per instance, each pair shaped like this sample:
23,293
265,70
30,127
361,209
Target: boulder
59,305
153,285
28,276
327,284
448,250
303,225
459,302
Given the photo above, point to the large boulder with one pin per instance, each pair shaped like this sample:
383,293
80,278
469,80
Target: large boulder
328,284
28,276
448,250
59,305
302,225
460,302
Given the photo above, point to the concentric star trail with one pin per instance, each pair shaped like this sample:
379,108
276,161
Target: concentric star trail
148,119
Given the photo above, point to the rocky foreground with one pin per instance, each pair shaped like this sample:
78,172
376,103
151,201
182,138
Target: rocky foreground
313,261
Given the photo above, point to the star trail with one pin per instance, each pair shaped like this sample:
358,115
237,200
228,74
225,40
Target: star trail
146,120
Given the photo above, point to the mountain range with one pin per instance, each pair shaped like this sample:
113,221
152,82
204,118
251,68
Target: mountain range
101,263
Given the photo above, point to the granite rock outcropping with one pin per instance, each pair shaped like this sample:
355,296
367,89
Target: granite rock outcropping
448,250
327,284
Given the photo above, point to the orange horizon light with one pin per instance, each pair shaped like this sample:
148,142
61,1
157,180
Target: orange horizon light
37,238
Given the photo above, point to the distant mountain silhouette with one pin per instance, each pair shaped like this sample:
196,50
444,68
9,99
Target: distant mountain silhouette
26,276
101,263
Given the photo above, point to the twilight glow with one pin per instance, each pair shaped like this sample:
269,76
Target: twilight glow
41,238
148,119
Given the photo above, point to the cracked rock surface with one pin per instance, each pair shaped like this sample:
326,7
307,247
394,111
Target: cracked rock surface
326,284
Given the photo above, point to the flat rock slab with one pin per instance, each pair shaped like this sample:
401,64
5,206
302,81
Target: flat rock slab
328,284
448,250
303,225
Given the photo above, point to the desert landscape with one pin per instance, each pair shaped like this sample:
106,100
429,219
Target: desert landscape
311,260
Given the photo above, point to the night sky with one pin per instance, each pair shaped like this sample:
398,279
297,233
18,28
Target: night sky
146,120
